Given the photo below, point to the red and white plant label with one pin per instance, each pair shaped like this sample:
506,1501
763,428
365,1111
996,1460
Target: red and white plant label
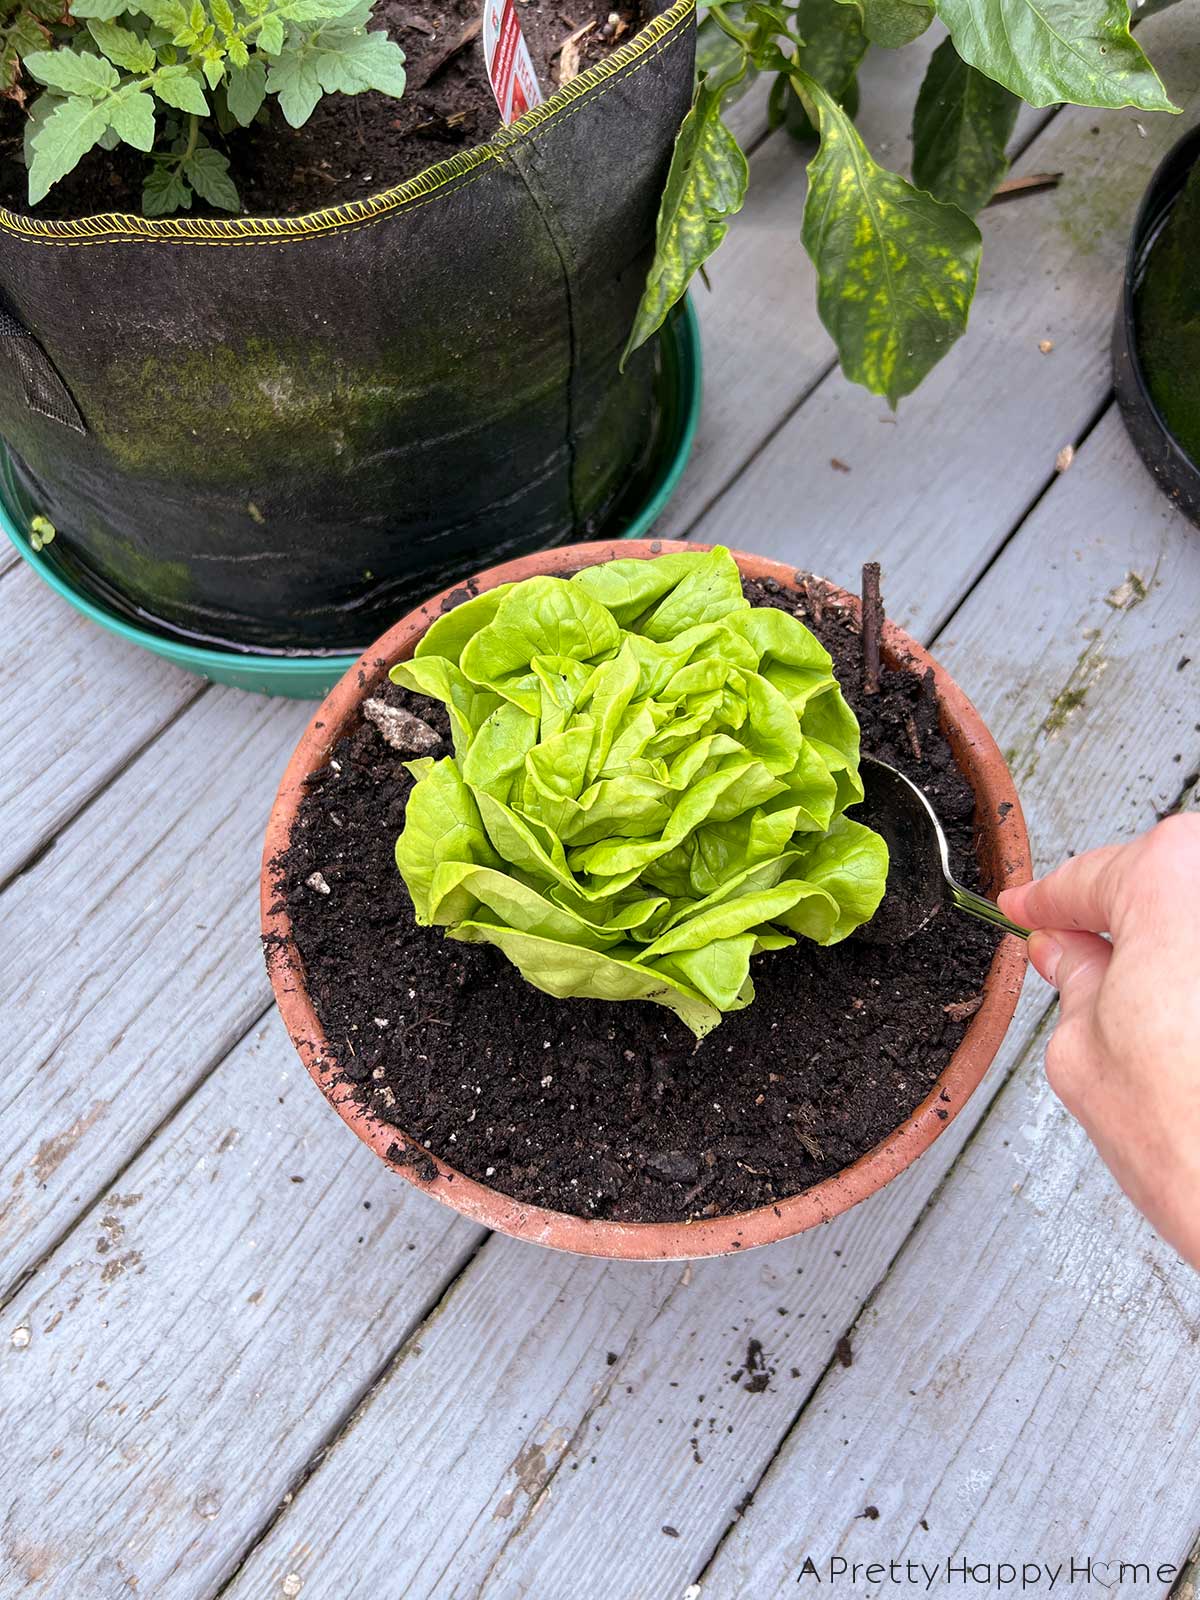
509,68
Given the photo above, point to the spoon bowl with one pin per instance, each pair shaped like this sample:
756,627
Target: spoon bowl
919,881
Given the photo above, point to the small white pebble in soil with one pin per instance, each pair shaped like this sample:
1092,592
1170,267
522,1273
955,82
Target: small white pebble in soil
20,1337
401,729
380,1022
315,880
292,1584
546,1046
377,1073
547,1080
336,765
489,1172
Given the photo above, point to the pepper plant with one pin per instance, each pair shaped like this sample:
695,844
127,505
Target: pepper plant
647,789
896,261
169,76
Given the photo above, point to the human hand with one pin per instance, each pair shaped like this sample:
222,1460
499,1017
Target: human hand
1125,1055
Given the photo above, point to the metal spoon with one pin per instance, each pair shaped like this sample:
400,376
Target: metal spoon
919,878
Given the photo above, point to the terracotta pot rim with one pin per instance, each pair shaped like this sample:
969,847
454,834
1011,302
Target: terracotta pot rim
1004,836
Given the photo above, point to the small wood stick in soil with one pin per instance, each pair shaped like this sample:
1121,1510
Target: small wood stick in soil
570,53
438,61
1032,183
872,626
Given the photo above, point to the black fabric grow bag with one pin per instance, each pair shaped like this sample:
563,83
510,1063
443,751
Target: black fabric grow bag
276,432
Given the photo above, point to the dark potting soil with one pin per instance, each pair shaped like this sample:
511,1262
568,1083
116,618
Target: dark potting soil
613,1110
352,146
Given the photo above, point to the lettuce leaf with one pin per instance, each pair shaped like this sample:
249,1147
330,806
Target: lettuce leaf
647,788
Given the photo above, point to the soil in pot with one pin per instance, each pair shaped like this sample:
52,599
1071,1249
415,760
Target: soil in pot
352,146
1167,309
612,1111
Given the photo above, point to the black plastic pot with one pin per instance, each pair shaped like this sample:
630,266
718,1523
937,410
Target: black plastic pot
1177,474
278,433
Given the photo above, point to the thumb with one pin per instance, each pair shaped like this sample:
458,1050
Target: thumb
1074,962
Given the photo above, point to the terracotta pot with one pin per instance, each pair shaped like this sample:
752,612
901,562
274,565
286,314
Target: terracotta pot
1006,862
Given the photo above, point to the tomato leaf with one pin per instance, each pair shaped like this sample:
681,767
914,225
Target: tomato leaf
69,131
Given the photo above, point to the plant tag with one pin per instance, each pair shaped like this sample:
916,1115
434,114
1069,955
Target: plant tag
509,67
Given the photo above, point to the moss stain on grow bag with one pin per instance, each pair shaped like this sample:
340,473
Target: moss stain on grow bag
1167,306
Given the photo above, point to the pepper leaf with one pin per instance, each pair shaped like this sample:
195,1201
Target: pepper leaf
961,128
893,23
718,56
896,268
834,43
706,185
1047,51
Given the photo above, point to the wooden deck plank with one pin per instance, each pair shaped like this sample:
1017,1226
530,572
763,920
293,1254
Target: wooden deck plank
134,961
965,456
188,1348
1030,1360
584,1525
95,701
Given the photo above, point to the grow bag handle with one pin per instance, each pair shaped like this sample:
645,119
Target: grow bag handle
44,390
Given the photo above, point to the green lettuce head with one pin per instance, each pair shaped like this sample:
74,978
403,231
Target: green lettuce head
647,788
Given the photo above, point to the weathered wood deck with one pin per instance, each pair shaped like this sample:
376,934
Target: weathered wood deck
217,1380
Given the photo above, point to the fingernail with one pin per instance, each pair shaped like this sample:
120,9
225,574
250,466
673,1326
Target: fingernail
1045,952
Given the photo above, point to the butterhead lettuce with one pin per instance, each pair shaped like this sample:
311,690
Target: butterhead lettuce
648,785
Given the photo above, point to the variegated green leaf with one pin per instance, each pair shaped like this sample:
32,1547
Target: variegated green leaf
1051,50
893,23
719,57
896,269
705,187
961,128
834,43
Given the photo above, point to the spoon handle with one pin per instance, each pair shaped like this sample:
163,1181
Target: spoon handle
986,910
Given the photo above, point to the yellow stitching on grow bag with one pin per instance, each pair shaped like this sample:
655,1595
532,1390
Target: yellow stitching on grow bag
436,182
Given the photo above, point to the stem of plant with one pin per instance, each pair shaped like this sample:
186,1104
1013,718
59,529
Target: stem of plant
193,135
872,626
